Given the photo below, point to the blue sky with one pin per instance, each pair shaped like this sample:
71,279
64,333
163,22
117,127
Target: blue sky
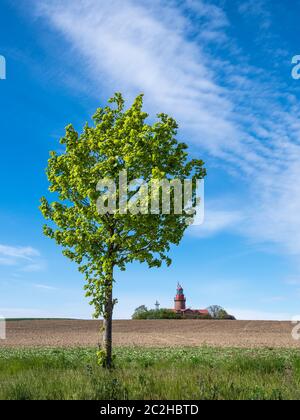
223,70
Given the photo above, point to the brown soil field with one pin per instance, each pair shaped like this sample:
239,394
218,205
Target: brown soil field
150,333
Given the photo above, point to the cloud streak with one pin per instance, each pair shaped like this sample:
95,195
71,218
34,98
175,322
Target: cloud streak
232,110
12,255
24,259
45,287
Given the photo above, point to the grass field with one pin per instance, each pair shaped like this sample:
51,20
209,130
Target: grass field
166,373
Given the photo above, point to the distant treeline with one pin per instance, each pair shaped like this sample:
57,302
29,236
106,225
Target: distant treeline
214,312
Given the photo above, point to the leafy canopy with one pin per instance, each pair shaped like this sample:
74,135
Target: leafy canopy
119,140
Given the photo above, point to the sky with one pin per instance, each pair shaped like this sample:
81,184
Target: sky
223,69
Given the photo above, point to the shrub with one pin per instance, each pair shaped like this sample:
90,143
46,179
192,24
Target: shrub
156,314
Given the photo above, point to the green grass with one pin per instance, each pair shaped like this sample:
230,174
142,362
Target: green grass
185,373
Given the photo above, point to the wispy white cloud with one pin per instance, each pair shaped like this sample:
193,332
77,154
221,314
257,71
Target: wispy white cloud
259,10
144,49
21,312
273,299
232,110
293,281
21,259
18,252
13,255
217,221
45,287
256,315
34,267
7,261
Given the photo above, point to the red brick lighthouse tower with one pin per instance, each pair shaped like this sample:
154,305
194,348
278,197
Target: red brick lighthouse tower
179,299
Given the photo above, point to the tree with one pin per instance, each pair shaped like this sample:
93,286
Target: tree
217,312
155,314
119,140
139,311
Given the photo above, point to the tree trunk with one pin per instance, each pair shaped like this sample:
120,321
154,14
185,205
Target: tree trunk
107,331
108,312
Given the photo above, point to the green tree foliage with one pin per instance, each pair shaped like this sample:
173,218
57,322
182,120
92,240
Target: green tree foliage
156,314
119,140
217,312
139,311
165,314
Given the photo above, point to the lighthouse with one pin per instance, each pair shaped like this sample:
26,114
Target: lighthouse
179,299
